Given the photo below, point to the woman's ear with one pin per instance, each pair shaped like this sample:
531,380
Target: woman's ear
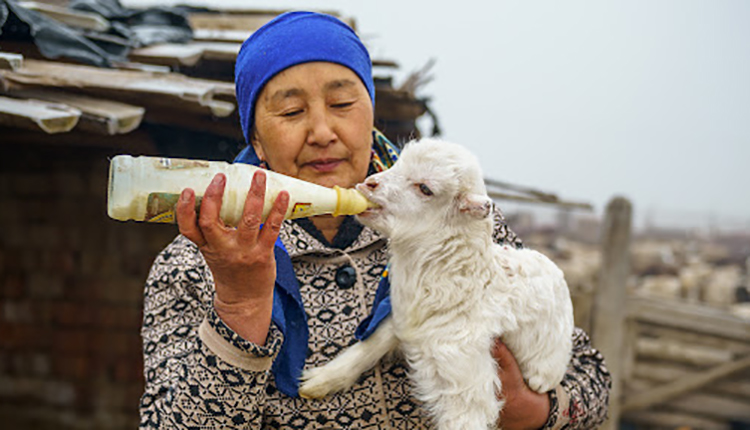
255,141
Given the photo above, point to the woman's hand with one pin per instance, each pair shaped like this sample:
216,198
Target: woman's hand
524,408
241,259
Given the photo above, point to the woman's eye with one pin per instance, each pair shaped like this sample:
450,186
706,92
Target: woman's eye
424,189
291,113
342,105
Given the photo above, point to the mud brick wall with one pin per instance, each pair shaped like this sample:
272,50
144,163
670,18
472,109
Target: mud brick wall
71,291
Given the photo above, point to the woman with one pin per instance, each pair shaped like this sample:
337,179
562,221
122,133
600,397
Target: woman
225,336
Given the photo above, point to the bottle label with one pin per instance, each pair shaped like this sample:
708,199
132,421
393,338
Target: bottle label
160,207
301,210
179,163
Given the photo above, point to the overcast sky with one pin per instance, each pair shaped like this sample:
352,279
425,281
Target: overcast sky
649,99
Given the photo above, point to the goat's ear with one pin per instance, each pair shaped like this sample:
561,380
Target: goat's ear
476,205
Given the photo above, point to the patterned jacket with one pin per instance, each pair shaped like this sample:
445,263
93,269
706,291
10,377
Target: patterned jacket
200,374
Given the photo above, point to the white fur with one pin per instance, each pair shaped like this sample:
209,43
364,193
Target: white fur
453,292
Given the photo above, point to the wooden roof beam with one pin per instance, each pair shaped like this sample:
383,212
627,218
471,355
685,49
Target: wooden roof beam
170,91
38,115
73,18
97,116
9,61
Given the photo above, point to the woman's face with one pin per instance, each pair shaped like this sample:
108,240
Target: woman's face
314,122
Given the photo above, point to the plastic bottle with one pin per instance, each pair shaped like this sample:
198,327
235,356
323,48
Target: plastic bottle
147,189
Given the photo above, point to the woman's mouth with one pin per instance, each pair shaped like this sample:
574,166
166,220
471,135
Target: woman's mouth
324,165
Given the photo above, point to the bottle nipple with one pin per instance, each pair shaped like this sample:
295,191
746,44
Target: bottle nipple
350,202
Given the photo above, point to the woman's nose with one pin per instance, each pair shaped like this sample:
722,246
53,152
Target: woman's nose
321,130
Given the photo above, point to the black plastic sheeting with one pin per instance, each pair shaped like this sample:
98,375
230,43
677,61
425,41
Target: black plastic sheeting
128,29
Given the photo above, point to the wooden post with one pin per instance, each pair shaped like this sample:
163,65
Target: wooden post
608,316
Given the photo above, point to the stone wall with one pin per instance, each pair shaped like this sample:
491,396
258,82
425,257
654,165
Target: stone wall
71,286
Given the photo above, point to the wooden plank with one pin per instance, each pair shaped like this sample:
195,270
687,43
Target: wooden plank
190,54
687,316
38,115
680,352
168,54
663,372
735,347
152,90
675,420
221,51
73,18
220,35
541,195
629,349
244,20
193,53
709,405
560,203
380,62
669,391
143,67
10,61
247,22
98,116
608,318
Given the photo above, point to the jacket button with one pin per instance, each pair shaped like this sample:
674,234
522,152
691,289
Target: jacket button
346,276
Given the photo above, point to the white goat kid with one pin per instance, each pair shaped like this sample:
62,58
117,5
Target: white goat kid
454,291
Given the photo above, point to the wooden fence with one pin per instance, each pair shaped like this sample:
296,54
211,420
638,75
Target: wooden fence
675,365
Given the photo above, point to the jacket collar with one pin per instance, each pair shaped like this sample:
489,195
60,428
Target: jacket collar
300,243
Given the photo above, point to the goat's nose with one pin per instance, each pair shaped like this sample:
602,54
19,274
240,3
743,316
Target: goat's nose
371,183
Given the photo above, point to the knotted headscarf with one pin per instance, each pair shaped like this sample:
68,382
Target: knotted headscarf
290,39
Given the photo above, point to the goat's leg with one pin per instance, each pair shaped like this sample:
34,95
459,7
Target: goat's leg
459,386
543,355
342,372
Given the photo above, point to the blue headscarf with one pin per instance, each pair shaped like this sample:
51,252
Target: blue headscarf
287,40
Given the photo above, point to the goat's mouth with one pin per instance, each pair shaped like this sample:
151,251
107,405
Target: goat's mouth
375,207
373,211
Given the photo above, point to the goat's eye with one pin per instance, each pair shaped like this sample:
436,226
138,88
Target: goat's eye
424,189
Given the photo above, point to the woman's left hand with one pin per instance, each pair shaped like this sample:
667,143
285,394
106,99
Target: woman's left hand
524,408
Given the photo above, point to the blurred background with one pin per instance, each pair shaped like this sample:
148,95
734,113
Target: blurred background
614,136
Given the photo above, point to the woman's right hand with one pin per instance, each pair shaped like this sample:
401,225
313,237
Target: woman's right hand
241,259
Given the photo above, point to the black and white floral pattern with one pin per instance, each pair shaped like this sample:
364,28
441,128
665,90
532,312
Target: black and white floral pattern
189,386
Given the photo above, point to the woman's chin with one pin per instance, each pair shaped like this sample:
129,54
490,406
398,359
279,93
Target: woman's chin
329,181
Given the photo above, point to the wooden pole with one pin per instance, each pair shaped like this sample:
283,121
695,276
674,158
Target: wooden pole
608,318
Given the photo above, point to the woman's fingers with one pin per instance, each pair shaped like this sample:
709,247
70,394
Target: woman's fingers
209,222
271,228
186,217
503,356
252,213
210,229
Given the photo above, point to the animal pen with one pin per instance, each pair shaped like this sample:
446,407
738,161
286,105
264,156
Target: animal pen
71,280
674,364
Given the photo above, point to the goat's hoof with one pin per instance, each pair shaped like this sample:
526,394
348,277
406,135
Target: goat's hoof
304,395
313,385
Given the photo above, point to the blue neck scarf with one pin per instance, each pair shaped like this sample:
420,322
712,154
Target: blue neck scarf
288,309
